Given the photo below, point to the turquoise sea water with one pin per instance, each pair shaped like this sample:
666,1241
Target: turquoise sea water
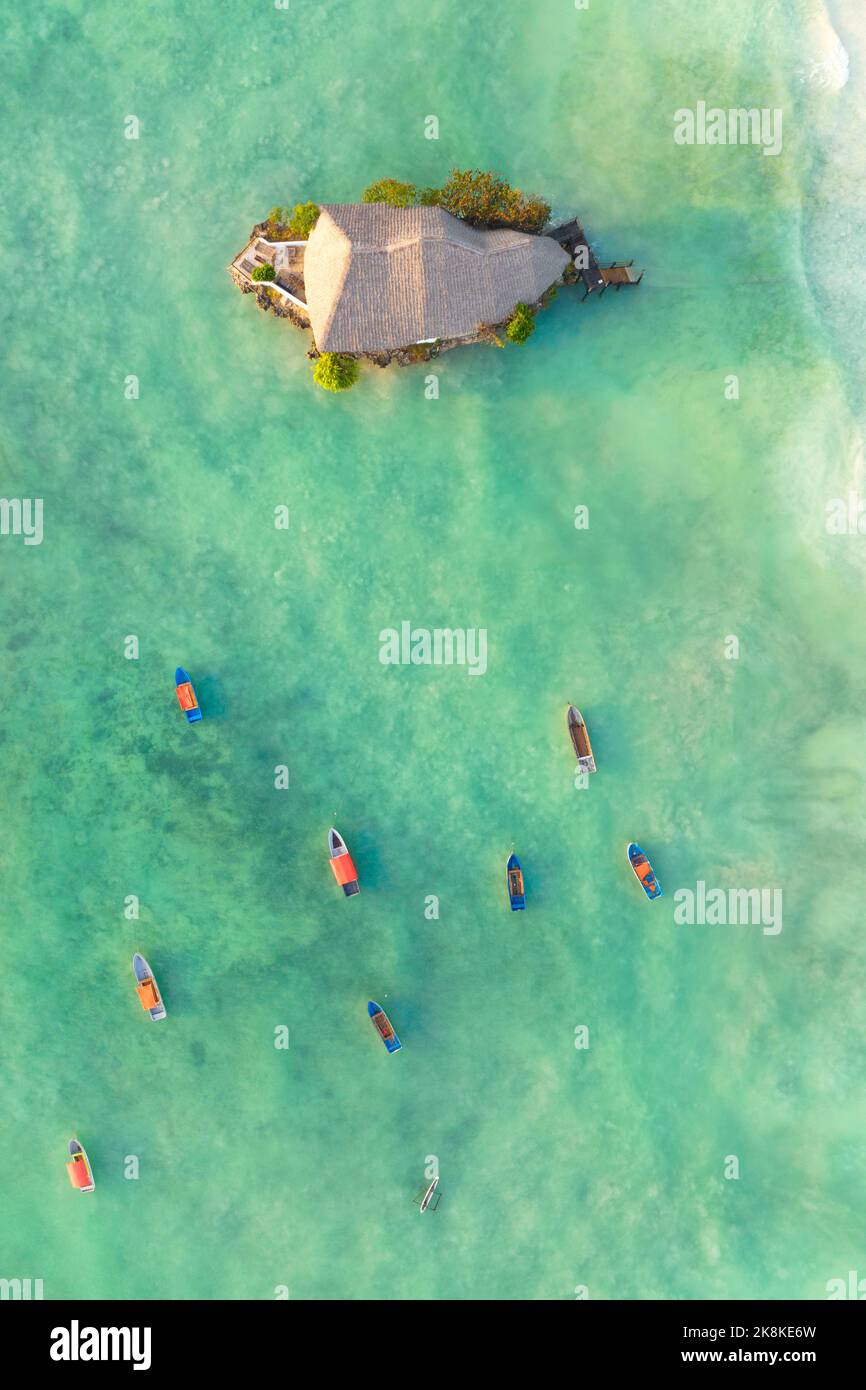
560,1168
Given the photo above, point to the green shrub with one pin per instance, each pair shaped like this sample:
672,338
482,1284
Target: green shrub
276,228
303,220
486,200
334,372
391,191
521,325
263,272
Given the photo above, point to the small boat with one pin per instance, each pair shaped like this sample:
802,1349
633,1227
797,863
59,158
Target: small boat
425,1196
78,1167
186,696
514,882
382,1024
146,989
580,740
341,862
644,871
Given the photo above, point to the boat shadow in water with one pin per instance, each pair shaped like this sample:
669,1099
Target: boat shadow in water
367,858
212,697
176,973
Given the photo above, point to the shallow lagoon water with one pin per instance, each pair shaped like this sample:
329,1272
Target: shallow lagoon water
559,1167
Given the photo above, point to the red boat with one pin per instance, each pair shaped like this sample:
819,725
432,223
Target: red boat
341,862
78,1168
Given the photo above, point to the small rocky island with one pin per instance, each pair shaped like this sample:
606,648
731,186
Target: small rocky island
408,273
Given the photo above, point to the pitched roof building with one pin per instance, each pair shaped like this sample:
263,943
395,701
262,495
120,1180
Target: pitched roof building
378,277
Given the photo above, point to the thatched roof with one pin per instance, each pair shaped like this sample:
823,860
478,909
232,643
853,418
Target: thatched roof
379,277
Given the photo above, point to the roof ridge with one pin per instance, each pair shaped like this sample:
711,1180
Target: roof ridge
385,248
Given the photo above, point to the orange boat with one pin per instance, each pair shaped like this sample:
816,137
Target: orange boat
341,862
146,988
78,1168
186,696
643,871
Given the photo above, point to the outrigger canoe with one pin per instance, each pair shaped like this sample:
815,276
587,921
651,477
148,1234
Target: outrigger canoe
426,1196
146,988
341,862
514,883
580,740
382,1024
78,1167
644,871
186,696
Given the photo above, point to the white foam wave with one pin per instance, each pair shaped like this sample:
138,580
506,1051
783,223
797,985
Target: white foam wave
831,66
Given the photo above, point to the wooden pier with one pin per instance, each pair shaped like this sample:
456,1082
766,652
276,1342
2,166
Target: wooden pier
620,273
595,277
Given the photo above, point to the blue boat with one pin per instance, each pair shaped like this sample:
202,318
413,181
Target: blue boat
644,871
186,696
382,1024
514,883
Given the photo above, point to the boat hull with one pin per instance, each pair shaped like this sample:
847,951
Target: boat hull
514,884
384,1027
342,867
643,871
78,1160
143,974
187,698
580,740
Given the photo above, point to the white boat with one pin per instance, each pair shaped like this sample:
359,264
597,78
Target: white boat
427,1198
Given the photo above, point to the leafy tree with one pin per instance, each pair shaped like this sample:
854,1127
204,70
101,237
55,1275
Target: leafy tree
486,200
335,372
428,197
275,224
263,272
391,191
303,220
521,325
533,215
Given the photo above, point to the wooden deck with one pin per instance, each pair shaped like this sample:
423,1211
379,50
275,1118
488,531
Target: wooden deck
620,275
287,259
572,238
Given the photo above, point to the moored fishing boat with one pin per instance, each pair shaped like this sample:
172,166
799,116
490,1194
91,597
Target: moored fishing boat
78,1167
644,871
580,740
428,1196
186,696
383,1026
341,863
514,883
146,988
